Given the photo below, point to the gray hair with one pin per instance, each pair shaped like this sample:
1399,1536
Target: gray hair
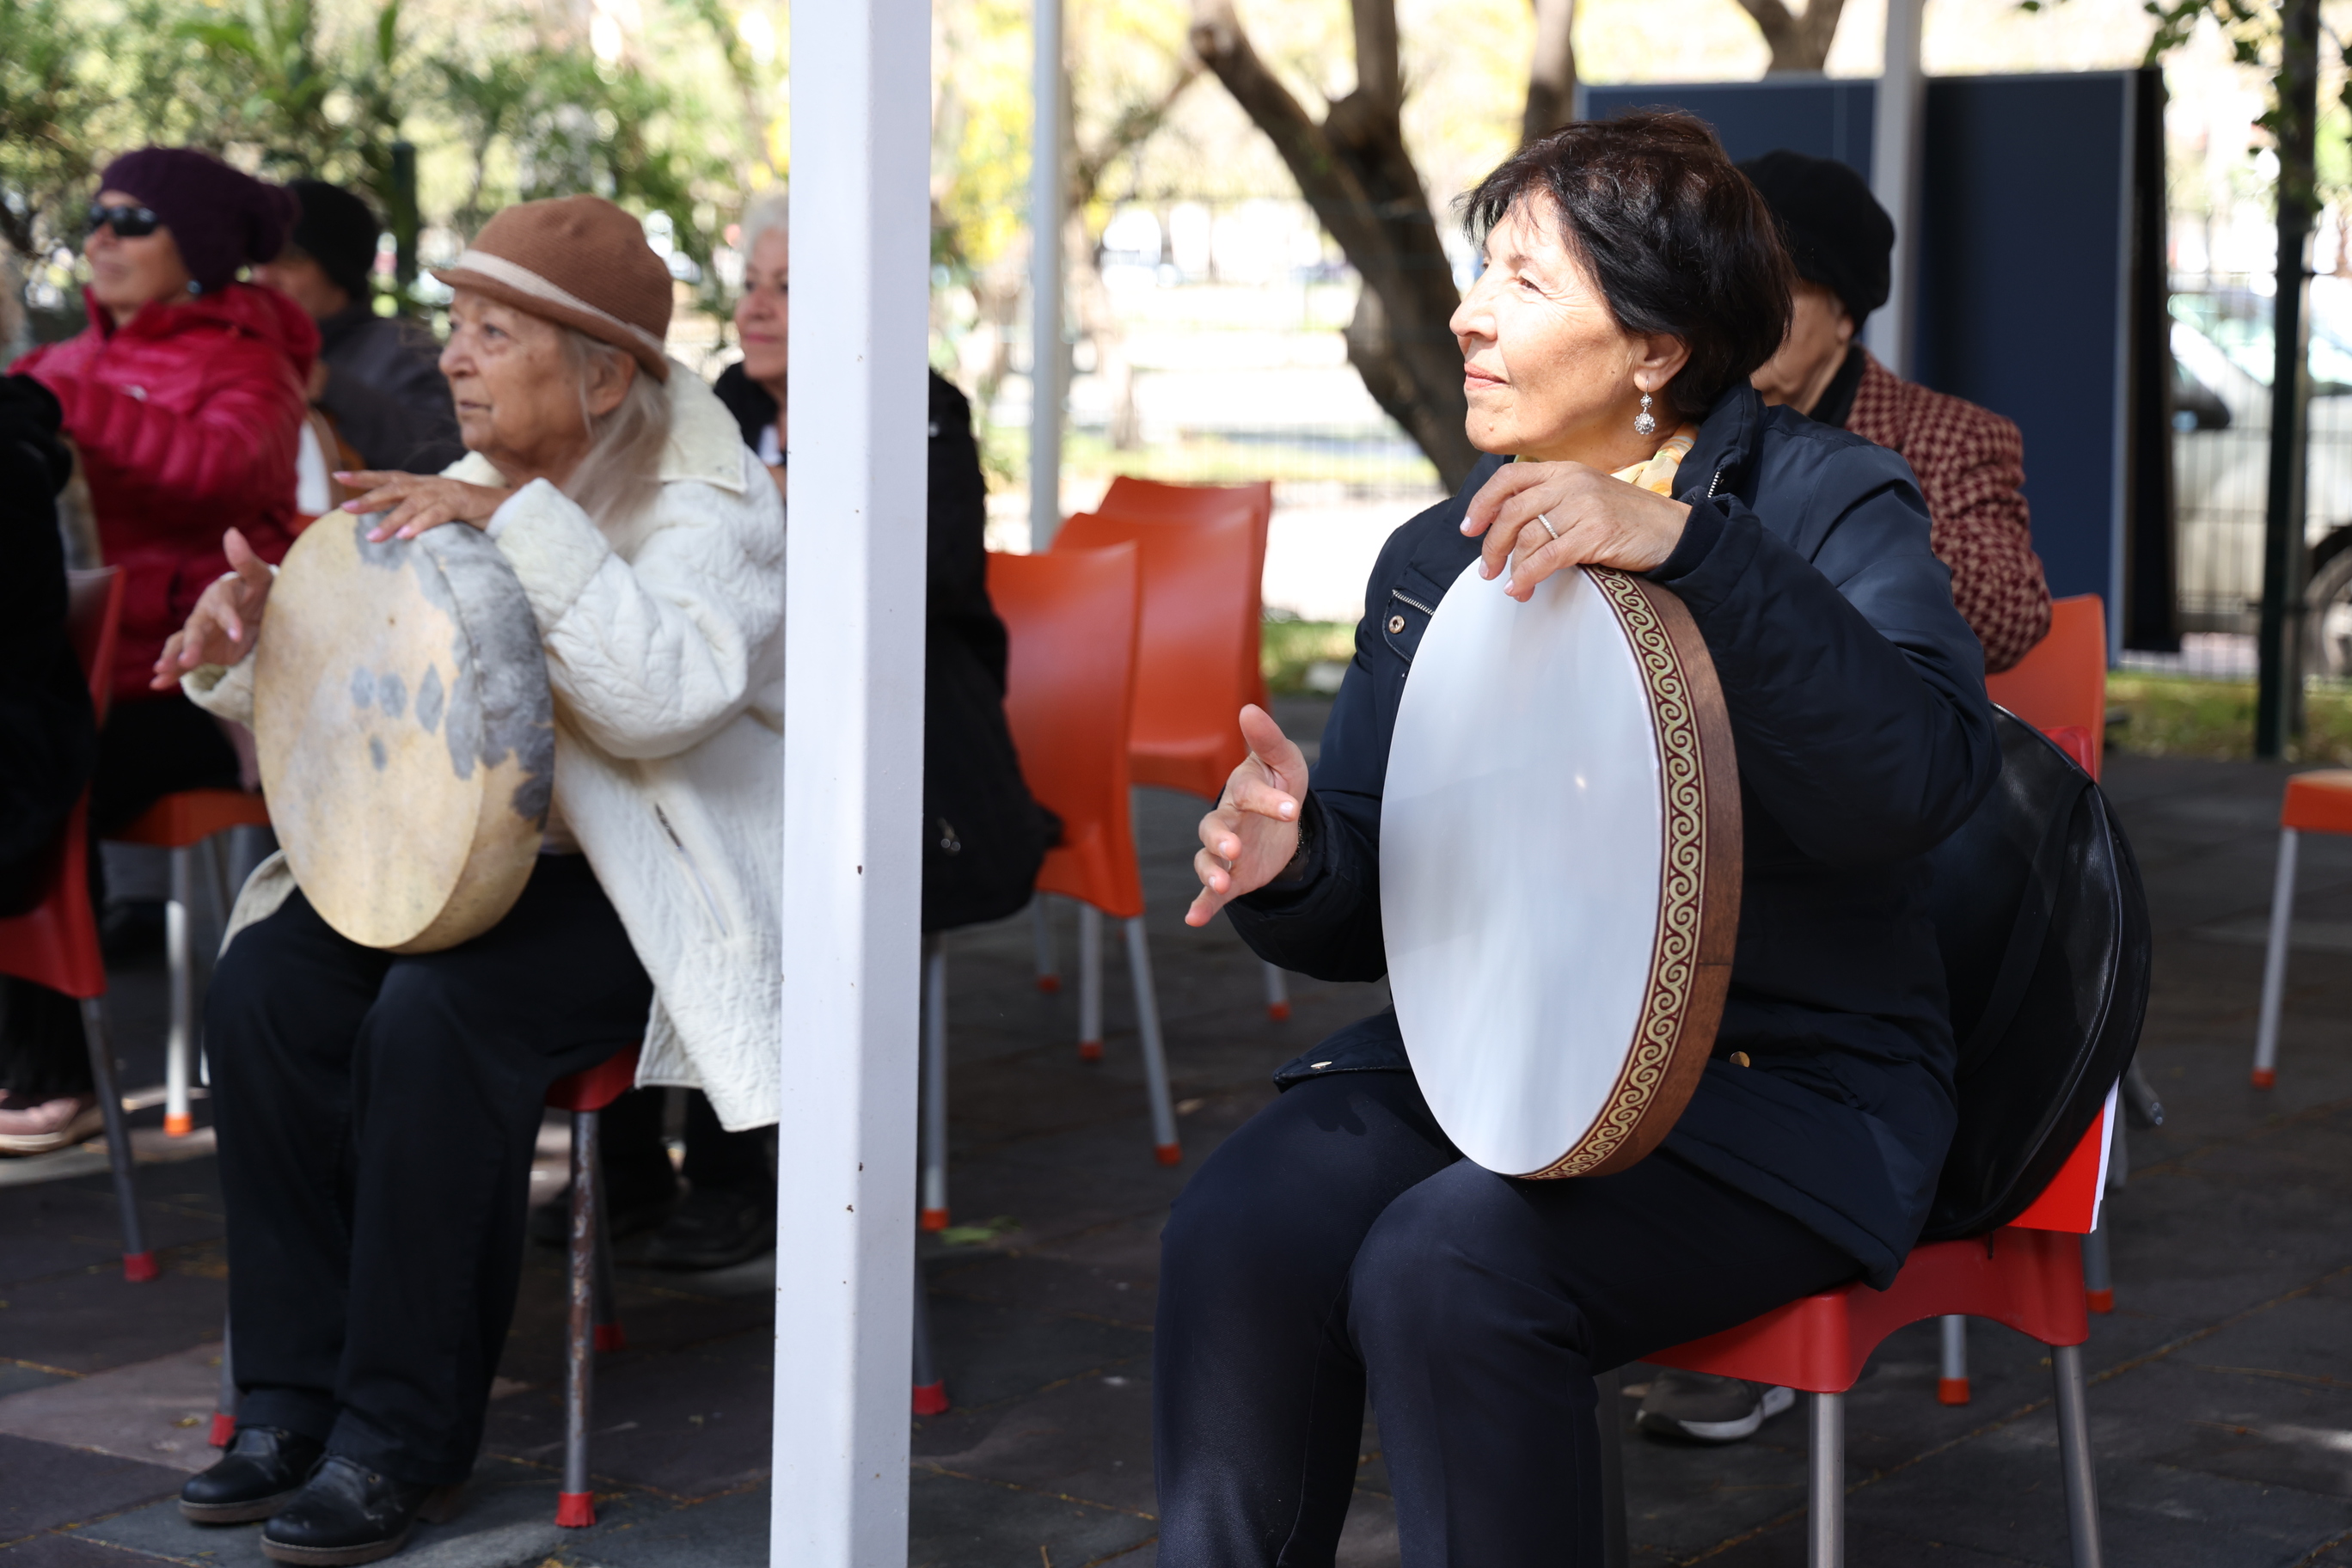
623,462
772,209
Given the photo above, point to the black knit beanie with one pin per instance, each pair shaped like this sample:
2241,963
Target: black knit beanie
1837,234
221,218
337,230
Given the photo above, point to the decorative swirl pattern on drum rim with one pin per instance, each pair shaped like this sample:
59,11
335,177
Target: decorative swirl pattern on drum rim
1673,956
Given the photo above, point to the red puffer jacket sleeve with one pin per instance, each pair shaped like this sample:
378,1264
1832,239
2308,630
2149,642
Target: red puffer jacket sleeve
234,447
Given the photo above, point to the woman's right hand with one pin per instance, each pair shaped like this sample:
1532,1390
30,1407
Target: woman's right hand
226,621
1253,835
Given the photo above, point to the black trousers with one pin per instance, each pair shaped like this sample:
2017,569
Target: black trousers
636,1163
1337,1242
376,1117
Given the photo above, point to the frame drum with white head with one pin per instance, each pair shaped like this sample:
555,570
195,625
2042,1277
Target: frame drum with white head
407,731
1559,869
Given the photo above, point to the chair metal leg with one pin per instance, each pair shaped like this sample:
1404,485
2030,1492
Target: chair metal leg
1155,1056
931,1384
2074,1454
138,1261
179,1050
2274,962
1277,993
608,1332
1825,1519
934,1207
2098,1284
1952,1387
576,1505
1609,1418
1090,1029
223,1430
1049,961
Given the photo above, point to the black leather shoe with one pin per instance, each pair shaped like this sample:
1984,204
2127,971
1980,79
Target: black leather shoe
712,1230
348,1513
263,1467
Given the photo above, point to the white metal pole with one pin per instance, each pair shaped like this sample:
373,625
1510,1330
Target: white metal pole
1897,139
1046,359
853,778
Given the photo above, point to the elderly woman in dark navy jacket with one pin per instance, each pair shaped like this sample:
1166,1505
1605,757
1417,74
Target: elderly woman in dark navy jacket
1337,1242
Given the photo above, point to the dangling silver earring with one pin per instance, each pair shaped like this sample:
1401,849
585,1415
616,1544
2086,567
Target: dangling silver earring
1643,423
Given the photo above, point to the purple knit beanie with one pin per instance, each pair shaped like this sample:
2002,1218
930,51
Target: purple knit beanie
219,217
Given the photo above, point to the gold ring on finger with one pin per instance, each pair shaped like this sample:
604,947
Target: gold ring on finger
1548,528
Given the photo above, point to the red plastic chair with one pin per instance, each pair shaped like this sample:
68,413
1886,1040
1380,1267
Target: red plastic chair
56,943
183,823
2061,685
2318,802
2028,1275
595,1323
1069,699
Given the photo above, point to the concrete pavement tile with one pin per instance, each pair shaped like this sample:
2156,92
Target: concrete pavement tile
66,1551
49,1484
957,1521
1090,1438
689,1424
157,1412
729,1531
991,1353
92,1319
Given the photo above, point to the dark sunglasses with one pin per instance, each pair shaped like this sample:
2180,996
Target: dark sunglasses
126,222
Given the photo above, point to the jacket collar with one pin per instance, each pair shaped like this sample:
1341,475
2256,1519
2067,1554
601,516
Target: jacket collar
704,447
1719,459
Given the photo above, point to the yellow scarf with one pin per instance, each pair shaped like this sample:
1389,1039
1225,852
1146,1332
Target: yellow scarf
1656,473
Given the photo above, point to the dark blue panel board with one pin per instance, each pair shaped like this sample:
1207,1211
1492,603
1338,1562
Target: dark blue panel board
1813,115
2026,205
2024,273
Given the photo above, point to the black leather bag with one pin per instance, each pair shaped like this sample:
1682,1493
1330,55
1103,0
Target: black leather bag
2044,931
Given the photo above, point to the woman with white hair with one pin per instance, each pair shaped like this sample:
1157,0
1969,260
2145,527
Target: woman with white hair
377,1112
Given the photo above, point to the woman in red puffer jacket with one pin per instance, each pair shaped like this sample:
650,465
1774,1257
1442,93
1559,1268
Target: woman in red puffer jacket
186,398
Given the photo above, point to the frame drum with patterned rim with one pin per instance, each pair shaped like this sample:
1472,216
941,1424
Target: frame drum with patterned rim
407,731
1560,869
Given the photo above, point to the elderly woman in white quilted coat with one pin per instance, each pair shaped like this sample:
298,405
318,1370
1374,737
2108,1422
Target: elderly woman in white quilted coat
377,1113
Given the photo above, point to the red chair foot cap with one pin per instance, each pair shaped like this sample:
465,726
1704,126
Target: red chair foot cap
223,1430
2099,1300
934,1220
2264,1078
1049,984
179,1126
575,1510
1168,1153
931,1398
1279,1011
1952,1391
609,1337
140,1266
1089,1050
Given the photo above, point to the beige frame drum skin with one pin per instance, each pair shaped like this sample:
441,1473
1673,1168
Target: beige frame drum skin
405,730
1560,869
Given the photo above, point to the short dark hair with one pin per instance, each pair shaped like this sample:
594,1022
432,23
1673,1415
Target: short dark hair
1678,238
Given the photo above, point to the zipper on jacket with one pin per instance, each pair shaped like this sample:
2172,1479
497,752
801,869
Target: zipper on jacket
1713,483
710,900
1408,598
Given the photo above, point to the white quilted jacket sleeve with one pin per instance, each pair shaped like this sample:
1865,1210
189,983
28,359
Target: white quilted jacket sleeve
650,653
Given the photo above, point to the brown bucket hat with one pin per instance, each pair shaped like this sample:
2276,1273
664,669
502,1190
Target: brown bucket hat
577,260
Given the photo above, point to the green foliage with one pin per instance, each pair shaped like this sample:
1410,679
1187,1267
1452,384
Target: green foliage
2167,716
1287,649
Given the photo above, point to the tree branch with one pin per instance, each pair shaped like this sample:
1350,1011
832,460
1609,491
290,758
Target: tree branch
1798,43
1551,77
1377,75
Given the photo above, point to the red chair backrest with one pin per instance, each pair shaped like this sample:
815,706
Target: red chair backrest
1197,660
1072,617
93,621
2062,684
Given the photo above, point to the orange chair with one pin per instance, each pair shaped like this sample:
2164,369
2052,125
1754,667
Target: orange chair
2062,684
2319,801
183,823
2028,1275
1204,557
56,943
1069,699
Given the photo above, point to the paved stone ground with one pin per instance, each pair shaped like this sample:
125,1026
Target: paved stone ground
2221,1405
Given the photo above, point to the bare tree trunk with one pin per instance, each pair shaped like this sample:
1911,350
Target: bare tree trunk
1099,320
1551,77
1356,175
1798,43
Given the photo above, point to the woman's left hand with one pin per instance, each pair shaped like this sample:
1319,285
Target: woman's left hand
1598,521
414,502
